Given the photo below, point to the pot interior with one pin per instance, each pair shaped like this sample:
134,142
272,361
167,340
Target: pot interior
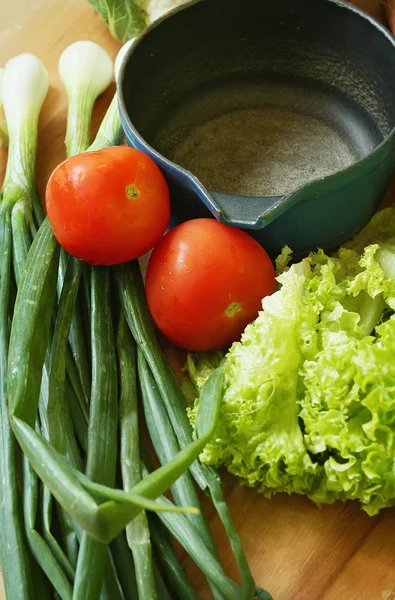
258,98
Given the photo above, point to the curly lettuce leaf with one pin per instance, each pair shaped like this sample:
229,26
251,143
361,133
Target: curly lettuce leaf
348,413
309,396
259,438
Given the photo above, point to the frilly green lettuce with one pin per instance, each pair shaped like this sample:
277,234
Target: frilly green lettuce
309,391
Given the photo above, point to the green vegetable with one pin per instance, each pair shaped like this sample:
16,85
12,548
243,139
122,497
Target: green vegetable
14,558
133,301
166,447
86,70
29,337
123,562
137,531
27,350
307,405
125,18
102,431
48,561
24,88
48,388
171,566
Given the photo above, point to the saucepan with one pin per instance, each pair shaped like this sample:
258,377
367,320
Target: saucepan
275,116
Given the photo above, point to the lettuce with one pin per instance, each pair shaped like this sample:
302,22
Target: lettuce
127,18
124,18
309,391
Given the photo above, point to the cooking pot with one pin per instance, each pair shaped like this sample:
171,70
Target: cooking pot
275,116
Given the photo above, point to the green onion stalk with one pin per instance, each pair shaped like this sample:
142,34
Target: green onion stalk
24,88
27,76
134,304
137,531
86,71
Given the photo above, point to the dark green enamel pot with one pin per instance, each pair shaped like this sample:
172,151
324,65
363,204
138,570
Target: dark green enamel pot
276,116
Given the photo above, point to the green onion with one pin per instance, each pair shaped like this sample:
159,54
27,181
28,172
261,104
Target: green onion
24,87
29,339
60,425
188,537
179,526
137,532
110,131
123,562
53,544
111,588
45,558
172,569
162,591
86,70
14,558
121,55
166,447
102,431
132,295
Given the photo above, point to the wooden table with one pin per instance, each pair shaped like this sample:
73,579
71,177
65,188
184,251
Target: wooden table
295,550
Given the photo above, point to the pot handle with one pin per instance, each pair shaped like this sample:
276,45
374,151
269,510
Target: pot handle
249,212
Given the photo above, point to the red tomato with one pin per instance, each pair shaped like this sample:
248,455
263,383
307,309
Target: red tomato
108,207
205,282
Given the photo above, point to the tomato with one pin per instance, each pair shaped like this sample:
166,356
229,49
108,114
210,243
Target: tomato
108,207
205,282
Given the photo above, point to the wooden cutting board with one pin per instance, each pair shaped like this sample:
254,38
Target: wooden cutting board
295,550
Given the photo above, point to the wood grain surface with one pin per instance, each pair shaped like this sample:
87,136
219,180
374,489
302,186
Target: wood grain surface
295,550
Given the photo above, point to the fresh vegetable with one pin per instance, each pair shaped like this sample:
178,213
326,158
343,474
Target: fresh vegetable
24,88
205,282
103,418
131,293
137,531
166,447
108,207
100,510
59,300
86,70
29,334
307,403
127,18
